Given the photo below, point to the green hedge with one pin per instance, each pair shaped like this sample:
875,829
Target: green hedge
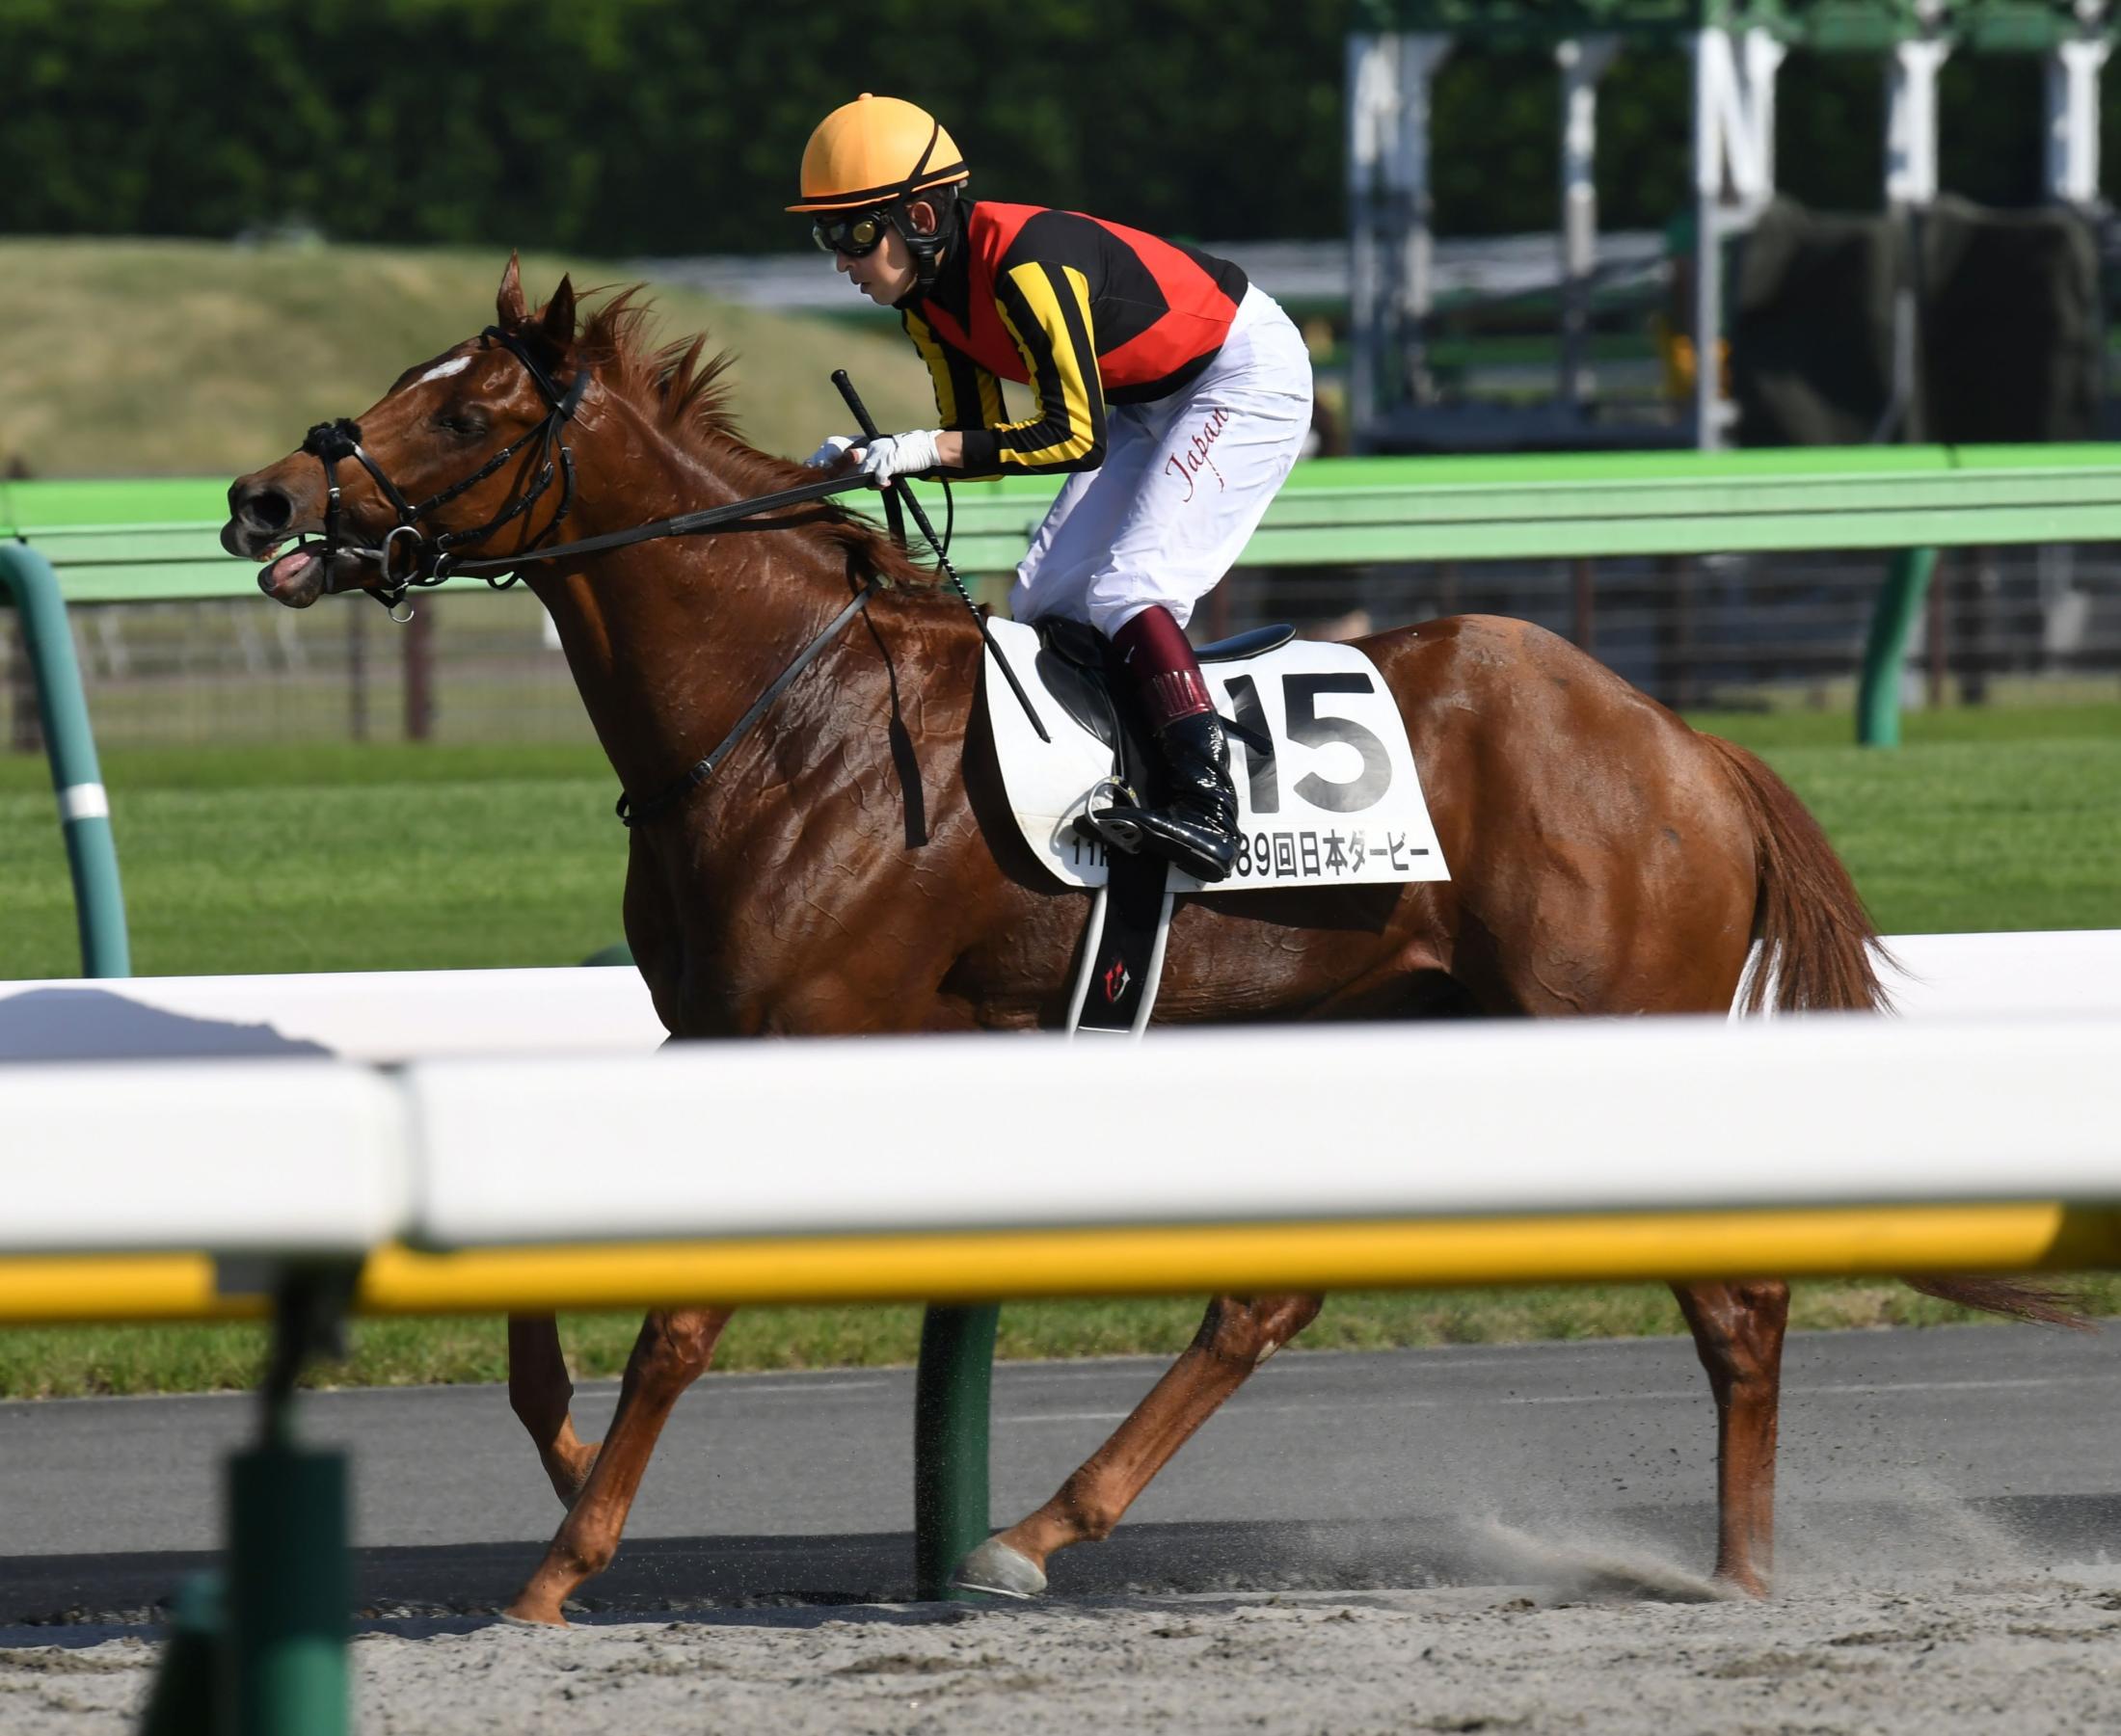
626,126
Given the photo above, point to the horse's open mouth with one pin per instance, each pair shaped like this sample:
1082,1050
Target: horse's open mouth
300,576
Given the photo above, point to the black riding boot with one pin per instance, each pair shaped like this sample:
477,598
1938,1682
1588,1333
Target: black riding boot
1197,827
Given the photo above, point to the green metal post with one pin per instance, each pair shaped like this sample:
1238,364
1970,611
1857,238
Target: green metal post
1899,606
951,1408
290,1574
290,1589
84,809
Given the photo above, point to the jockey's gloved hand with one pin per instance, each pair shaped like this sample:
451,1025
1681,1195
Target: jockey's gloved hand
895,455
827,457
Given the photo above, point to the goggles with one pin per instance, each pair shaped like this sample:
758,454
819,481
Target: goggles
855,236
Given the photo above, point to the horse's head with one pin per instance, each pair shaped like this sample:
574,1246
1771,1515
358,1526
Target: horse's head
457,455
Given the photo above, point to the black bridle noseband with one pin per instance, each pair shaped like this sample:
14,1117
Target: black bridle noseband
431,560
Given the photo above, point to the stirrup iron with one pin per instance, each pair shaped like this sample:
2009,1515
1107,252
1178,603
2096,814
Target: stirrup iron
1099,821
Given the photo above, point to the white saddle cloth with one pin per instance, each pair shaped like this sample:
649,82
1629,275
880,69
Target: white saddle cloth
1338,804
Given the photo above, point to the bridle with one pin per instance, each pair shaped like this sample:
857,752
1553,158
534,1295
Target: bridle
429,560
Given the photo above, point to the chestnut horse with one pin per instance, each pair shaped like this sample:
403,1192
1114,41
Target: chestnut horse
851,866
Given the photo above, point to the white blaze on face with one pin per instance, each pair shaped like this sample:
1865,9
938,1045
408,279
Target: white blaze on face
441,370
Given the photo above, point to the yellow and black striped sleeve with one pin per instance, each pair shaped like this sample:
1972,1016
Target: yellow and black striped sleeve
1046,308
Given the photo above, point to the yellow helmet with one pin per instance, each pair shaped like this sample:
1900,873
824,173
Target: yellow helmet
874,151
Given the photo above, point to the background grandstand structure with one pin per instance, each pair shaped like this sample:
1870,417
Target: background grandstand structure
1735,48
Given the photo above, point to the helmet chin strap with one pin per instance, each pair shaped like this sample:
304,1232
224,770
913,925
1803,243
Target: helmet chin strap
926,249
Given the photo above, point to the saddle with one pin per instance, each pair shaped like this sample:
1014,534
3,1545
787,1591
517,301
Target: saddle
1078,667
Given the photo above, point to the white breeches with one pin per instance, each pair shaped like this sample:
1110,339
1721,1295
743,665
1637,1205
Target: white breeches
1184,483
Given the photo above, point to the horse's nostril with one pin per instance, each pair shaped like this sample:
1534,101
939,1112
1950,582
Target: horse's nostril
265,508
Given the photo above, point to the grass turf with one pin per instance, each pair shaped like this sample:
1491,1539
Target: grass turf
392,856
77,1361
329,859
403,857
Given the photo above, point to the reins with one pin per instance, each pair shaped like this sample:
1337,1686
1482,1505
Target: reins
682,525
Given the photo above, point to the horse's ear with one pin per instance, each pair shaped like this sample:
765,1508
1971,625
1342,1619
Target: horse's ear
558,321
508,304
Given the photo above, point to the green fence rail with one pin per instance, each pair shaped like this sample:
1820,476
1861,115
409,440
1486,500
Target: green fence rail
134,542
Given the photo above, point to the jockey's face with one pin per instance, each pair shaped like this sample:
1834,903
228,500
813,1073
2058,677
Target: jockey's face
885,273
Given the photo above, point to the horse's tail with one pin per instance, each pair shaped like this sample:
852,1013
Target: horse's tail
1820,950
2017,1298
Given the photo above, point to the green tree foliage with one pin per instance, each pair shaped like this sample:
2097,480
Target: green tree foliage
629,126
646,125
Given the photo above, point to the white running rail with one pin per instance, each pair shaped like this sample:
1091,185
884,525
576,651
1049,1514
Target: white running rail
2000,1084
875,1136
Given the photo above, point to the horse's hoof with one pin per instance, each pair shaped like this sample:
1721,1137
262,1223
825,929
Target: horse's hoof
994,1567
1742,1587
535,1607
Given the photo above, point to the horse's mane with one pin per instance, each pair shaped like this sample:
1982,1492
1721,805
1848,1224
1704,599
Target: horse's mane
688,387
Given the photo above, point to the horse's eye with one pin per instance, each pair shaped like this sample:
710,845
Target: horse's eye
461,421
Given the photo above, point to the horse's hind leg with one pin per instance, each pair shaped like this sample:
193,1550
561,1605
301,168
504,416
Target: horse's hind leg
539,1392
672,1351
1739,1332
1237,1336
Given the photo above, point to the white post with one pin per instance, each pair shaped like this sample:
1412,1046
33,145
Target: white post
1763,59
1372,97
1733,149
1421,54
1582,62
1910,121
1390,260
1911,189
2073,121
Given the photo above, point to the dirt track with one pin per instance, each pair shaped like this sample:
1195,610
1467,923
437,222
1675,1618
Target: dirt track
1925,1546
2037,1653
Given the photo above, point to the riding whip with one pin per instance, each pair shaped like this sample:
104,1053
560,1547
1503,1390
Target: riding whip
896,490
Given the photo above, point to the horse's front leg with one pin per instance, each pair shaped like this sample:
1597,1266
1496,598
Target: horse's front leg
1237,1336
672,1351
539,1392
1738,1331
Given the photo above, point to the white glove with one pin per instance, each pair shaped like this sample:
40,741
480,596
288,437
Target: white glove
827,456
896,455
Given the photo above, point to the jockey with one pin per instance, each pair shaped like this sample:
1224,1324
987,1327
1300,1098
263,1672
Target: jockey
1173,394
